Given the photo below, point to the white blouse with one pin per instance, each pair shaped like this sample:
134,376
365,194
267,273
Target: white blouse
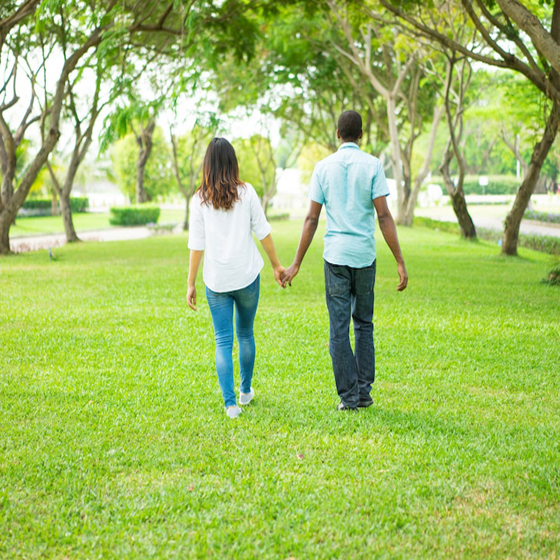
232,260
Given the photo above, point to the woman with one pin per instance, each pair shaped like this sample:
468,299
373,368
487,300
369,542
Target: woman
224,214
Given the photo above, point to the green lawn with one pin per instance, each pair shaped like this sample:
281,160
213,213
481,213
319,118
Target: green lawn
114,443
82,222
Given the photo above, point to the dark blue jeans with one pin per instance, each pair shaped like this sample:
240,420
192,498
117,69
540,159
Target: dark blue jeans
221,306
350,294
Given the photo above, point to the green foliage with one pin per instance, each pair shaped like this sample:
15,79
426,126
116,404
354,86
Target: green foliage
536,242
255,156
43,206
115,444
37,204
309,156
543,243
134,215
553,277
547,217
158,176
79,204
497,184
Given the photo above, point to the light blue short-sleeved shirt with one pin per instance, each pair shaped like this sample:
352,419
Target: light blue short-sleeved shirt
347,182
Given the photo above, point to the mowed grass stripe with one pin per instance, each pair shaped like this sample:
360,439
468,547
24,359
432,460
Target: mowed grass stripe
114,443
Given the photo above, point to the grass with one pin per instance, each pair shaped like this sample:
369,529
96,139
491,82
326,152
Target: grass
114,442
89,221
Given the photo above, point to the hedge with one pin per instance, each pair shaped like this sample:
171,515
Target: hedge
497,184
542,243
43,206
542,217
134,215
79,204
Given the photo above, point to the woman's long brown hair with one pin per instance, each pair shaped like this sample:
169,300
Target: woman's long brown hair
220,175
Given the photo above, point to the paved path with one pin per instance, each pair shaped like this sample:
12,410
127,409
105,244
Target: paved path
483,220
36,243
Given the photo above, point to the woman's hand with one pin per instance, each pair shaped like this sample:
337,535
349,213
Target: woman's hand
191,297
278,272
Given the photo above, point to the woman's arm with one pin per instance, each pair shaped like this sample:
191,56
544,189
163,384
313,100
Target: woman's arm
194,264
268,246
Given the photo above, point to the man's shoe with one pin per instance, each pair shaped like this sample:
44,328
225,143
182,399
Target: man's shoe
365,404
342,406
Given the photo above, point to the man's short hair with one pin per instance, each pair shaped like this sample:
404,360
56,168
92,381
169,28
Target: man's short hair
350,126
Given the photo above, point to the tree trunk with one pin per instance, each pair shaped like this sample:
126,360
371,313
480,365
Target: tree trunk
66,211
54,205
468,230
145,142
540,151
6,220
187,212
396,161
423,173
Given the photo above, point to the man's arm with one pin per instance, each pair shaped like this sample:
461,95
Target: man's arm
389,231
309,228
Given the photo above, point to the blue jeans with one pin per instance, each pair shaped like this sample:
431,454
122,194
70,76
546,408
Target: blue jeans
221,307
350,294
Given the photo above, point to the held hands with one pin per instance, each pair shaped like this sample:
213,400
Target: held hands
191,297
289,275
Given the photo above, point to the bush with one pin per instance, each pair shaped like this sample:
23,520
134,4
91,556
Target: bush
497,184
542,217
134,215
542,243
43,206
79,204
553,277
38,204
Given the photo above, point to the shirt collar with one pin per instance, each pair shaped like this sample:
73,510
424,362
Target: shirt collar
348,145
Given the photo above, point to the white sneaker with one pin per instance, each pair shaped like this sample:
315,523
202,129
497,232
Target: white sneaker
246,398
233,411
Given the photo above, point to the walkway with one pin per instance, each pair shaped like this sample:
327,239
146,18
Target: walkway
489,220
36,243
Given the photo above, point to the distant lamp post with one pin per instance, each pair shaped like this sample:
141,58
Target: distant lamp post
483,182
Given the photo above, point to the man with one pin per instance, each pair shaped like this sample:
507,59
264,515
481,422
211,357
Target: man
352,186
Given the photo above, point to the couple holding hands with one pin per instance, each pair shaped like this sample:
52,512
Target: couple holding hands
225,212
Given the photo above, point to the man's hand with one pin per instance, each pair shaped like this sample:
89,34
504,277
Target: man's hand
289,275
278,272
191,297
403,276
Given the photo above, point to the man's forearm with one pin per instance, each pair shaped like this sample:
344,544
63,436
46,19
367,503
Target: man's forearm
389,231
309,229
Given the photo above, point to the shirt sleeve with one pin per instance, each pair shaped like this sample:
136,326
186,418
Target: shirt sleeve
197,237
315,191
379,185
259,224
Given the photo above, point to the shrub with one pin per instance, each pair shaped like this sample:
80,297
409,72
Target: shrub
43,206
79,204
134,215
497,184
37,204
542,243
553,277
542,217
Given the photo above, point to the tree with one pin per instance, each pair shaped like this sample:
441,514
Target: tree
163,28
14,44
257,165
187,157
502,29
157,180
393,67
